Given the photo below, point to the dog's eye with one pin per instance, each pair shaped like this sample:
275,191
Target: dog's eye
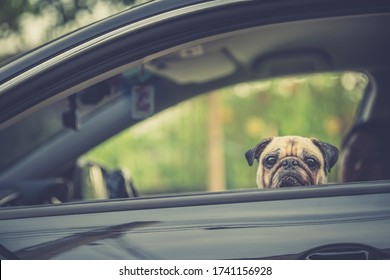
270,161
311,162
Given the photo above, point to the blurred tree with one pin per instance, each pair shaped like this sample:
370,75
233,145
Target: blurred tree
215,141
11,11
49,19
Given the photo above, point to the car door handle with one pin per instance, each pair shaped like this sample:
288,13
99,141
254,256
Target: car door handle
347,255
344,251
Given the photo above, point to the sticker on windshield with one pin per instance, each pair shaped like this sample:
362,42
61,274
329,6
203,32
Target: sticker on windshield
143,101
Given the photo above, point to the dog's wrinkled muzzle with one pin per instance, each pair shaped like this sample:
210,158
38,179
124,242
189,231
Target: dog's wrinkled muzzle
291,180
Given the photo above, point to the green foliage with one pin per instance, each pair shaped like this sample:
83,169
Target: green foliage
168,153
65,11
10,12
25,24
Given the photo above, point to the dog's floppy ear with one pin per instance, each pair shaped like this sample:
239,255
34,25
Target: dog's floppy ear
330,152
255,153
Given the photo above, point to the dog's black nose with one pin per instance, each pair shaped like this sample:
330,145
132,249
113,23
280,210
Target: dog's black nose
289,163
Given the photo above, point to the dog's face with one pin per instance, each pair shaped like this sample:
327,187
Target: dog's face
292,161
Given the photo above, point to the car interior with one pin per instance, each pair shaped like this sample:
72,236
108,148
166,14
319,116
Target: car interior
58,135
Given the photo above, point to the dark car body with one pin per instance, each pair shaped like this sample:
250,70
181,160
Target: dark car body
257,39
337,223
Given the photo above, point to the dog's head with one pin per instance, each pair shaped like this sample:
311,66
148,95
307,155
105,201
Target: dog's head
292,161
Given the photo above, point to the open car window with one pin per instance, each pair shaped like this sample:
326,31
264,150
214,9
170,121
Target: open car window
199,144
182,135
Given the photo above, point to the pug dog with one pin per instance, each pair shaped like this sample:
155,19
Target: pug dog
289,161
